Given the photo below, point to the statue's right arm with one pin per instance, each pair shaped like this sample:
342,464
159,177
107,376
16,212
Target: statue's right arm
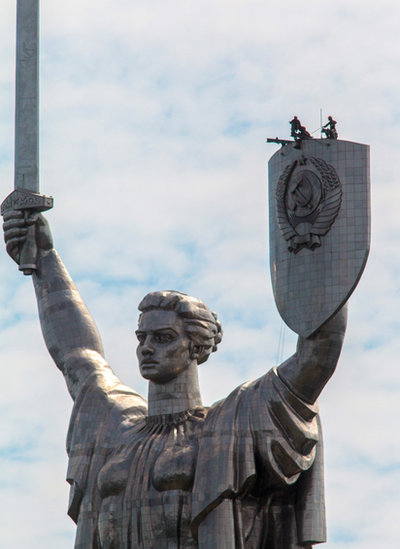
68,328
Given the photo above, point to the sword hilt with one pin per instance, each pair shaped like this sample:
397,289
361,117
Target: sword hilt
28,202
28,251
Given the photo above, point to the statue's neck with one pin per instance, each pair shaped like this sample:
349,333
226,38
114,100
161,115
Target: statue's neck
178,395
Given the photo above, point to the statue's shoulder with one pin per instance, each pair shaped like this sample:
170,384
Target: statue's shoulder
105,404
239,405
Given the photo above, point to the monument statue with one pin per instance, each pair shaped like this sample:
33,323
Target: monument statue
247,472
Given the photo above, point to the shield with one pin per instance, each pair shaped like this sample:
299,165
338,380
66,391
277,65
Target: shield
319,218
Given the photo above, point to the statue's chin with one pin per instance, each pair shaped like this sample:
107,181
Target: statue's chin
157,378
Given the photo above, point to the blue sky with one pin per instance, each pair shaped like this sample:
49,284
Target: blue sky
154,117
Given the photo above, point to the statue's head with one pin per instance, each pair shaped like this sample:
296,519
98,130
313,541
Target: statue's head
174,330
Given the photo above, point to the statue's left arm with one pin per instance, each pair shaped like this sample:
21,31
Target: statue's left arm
307,372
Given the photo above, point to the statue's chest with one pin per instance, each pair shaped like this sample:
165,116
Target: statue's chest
159,458
175,465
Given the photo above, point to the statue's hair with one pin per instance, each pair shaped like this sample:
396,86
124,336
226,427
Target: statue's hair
201,324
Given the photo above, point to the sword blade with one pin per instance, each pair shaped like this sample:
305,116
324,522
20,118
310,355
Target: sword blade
27,96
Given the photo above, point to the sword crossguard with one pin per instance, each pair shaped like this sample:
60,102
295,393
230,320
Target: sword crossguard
27,201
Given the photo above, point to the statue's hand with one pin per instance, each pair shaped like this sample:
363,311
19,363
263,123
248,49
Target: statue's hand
15,228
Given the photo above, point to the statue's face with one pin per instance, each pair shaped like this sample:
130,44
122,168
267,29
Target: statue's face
164,349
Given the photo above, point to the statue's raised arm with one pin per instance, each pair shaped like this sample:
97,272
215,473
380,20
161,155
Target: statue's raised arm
68,328
307,372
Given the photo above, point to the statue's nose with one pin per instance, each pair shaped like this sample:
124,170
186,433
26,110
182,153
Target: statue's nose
147,349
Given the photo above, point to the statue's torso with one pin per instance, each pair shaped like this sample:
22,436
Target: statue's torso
146,486
159,482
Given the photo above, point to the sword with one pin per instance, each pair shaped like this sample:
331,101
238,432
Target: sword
26,196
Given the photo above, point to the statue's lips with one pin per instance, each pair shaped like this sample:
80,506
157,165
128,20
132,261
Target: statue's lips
148,362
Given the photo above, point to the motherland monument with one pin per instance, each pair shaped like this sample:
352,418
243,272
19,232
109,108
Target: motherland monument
171,473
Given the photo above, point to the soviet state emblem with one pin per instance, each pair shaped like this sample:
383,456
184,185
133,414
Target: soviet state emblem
308,198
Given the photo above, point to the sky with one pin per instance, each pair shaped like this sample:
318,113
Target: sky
154,118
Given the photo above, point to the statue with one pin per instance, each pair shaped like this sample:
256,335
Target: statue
246,472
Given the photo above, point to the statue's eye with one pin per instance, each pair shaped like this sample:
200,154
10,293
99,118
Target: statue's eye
163,338
141,338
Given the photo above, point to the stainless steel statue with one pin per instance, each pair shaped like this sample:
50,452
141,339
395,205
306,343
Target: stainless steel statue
245,473
169,473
